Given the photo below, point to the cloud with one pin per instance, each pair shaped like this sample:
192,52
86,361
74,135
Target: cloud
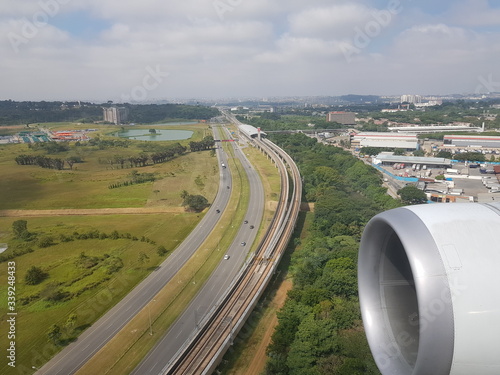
255,47
333,22
475,13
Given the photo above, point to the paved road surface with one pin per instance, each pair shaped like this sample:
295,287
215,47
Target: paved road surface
217,284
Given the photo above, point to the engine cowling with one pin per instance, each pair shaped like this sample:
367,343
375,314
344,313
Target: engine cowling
429,289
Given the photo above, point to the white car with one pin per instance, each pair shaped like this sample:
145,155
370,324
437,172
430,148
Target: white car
226,257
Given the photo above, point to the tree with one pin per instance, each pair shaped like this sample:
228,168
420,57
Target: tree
35,275
399,151
161,251
54,333
444,154
195,203
20,228
471,156
184,194
410,194
45,241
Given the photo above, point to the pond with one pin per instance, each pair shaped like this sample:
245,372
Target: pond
160,135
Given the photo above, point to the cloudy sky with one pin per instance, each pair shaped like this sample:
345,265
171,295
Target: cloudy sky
142,50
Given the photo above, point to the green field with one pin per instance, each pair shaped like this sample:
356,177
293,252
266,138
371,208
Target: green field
95,290
88,288
86,186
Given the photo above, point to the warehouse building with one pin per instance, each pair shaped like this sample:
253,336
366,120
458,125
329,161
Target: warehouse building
434,128
391,160
476,141
389,140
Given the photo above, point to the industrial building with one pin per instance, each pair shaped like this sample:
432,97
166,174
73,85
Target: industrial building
116,115
344,118
390,159
434,128
477,141
390,140
251,131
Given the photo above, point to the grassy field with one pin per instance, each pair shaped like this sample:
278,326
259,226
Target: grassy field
86,186
96,289
92,290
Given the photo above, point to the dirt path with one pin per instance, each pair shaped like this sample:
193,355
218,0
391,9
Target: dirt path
91,211
258,359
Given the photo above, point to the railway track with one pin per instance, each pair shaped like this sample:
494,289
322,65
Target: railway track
204,351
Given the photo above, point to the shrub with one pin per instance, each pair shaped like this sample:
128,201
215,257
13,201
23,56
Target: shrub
85,261
161,251
45,241
112,265
35,275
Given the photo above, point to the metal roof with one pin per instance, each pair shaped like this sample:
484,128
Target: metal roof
250,130
473,137
382,135
387,158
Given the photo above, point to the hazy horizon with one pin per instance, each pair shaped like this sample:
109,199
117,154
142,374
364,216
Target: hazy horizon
133,51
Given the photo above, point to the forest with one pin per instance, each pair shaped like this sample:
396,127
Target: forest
273,121
15,113
320,330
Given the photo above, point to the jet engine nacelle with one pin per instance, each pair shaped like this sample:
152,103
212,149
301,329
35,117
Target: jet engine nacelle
429,289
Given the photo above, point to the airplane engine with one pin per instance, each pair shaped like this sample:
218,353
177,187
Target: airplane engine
429,289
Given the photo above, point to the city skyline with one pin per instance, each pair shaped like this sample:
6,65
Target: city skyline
131,51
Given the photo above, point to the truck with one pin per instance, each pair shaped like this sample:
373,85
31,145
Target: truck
456,192
453,171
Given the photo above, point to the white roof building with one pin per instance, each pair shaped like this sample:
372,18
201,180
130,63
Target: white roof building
250,130
385,158
390,140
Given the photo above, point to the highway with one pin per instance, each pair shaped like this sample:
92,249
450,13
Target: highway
189,322
71,358
202,353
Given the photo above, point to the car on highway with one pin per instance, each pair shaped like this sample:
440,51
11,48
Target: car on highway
226,257
245,222
243,243
251,227
218,211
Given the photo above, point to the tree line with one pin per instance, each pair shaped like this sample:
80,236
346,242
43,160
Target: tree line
28,112
205,144
41,161
320,330
136,178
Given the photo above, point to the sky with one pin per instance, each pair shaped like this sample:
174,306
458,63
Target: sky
147,50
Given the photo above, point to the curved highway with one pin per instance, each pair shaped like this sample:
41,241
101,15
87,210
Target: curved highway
70,359
218,283
205,349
